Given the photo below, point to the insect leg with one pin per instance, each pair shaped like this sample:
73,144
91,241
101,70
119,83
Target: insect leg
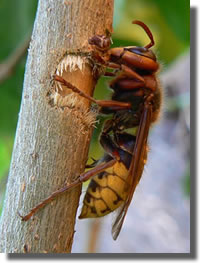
109,74
114,105
82,178
73,88
103,103
128,80
123,83
131,73
128,71
92,164
103,61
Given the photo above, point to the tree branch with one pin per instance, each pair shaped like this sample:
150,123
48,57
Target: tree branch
8,65
54,127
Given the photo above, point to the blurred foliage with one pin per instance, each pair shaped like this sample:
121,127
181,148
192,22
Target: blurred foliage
168,20
16,19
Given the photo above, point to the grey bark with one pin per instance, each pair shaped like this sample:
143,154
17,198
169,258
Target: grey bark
51,143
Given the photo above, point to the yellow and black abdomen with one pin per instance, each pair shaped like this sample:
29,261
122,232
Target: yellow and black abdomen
106,192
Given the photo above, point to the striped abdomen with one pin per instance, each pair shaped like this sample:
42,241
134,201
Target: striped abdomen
106,192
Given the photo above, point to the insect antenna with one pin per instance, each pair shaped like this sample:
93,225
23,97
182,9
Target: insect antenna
147,30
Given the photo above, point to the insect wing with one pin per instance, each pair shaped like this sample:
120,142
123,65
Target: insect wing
136,167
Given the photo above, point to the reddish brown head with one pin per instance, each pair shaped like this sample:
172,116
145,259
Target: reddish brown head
101,42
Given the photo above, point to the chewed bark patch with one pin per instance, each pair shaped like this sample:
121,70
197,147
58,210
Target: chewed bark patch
63,99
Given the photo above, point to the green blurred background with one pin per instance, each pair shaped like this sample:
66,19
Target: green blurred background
168,20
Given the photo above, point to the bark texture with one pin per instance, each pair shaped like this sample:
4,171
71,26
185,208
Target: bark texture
52,139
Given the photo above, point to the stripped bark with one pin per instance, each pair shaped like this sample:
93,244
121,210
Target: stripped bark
54,130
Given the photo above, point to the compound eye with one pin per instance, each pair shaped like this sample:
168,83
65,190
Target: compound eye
142,51
100,41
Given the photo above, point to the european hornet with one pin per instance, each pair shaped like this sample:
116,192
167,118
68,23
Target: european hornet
135,103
